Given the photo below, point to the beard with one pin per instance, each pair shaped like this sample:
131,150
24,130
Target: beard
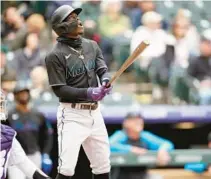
23,101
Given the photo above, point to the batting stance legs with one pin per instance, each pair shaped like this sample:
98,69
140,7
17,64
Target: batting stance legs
78,127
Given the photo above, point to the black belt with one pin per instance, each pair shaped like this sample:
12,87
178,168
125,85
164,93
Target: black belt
91,106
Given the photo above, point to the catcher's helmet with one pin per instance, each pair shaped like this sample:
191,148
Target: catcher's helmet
61,13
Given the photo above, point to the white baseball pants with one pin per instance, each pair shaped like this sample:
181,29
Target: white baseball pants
78,127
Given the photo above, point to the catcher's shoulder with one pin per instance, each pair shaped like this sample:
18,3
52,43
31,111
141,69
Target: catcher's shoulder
6,128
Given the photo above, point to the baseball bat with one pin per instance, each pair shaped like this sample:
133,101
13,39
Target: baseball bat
141,47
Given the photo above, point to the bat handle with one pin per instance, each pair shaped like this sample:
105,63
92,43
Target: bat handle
108,84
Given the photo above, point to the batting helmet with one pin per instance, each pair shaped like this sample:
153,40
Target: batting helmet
58,17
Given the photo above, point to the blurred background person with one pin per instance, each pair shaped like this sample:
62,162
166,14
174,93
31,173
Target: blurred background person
53,5
90,31
7,73
137,10
91,10
150,30
112,25
27,58
170,69
14,28
134,139
200,69
39,81
181,53
31,126
192,37
36,24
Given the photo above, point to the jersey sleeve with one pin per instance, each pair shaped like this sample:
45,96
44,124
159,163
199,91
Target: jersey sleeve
55,69
17,154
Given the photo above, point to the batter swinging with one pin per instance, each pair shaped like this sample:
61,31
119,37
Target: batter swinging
74,66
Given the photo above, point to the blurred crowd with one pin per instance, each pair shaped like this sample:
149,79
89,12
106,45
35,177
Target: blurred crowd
178,59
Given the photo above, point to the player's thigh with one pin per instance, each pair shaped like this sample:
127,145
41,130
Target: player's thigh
13,172
96,146
70,137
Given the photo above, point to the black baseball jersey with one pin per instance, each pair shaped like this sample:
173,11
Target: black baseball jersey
29,127
66,66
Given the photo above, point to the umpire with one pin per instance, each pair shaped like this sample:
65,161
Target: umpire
78,76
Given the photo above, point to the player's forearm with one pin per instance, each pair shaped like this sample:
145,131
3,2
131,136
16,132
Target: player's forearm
70,93
30,170
103,74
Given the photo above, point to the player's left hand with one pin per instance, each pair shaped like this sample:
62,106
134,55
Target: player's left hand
163,157
46,163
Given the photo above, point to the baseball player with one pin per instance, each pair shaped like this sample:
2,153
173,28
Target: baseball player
30,124
79,78
11,152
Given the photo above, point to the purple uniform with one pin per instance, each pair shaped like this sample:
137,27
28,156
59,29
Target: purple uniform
7,137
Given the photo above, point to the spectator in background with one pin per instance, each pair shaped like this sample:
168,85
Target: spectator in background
192,37
53,5
112,27
179,59
112,22
7,74
200,69
30,125
15,29
36,24
133,139
151,30
28,57
136,14
90,30
91,10
39,81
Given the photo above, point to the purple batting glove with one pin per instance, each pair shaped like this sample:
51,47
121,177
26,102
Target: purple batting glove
96,94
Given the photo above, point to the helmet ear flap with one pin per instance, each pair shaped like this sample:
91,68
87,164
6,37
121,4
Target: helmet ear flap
61,28
65,27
